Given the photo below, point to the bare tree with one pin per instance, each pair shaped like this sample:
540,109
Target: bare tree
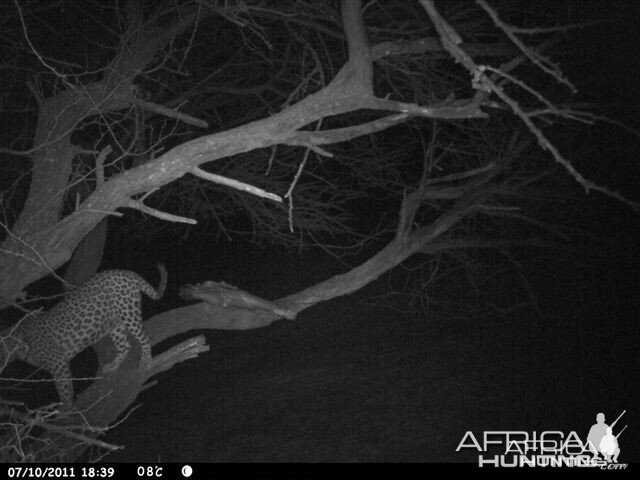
435,113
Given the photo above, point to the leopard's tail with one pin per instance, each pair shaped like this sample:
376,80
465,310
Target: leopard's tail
155,294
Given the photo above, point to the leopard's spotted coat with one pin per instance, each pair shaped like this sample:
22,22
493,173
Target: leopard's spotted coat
108,304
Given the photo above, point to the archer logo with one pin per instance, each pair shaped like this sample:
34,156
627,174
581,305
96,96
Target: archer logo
602,441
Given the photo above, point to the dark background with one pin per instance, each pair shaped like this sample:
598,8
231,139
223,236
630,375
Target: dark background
369,377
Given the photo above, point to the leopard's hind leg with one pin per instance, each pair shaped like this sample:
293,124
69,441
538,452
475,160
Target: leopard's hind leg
145,345
64,384
119,337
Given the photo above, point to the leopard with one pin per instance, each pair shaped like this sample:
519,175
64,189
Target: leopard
107,304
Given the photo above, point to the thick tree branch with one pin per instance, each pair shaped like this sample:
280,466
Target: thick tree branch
349,91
